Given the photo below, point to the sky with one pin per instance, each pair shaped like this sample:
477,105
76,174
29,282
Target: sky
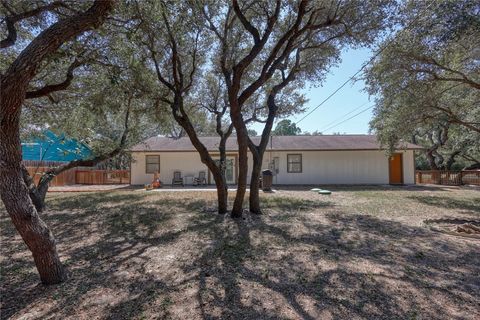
350,97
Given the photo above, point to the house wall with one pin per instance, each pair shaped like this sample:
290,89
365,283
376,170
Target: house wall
318,167
187,162
340,167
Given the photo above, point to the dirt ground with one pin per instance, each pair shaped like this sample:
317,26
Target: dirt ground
360,253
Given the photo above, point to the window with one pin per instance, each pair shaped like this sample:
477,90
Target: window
294,163
152,164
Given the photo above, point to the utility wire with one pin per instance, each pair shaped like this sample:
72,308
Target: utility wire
365,64
355,115
343,116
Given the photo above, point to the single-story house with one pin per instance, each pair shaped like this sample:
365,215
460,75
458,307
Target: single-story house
294,160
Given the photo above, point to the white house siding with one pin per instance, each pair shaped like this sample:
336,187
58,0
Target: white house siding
187,162
340,167
408,167
318,167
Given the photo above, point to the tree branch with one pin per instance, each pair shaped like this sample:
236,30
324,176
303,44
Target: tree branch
45,91
11,20
246,24
19,74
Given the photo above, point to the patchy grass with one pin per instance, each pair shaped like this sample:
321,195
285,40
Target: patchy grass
360,253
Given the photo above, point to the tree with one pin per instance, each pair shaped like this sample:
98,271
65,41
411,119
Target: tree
426,79
286,128
15,81
178,55
447,146
109,106
258,45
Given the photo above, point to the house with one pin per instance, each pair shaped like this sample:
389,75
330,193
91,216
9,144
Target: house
295,160
51,147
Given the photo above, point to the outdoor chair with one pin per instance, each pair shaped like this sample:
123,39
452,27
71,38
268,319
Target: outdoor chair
177,178
201,180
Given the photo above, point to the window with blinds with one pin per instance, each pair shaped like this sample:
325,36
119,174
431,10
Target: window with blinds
294,163
152,164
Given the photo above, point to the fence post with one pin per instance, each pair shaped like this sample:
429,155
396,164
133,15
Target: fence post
460,178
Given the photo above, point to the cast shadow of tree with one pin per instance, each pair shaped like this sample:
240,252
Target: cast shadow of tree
469,206
232,262
105,233
264,257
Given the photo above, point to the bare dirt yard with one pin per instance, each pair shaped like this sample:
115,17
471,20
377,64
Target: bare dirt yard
360,253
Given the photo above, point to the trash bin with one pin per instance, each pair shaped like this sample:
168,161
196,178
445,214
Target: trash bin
267,180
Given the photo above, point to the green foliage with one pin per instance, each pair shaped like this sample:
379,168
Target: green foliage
286,128
112,78
428,78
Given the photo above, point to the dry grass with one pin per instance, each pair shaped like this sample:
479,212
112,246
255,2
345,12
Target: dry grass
361,253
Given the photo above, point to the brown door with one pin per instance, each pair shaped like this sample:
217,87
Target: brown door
396,169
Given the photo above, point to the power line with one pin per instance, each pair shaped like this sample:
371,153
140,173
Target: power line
365,64
355,115
343,116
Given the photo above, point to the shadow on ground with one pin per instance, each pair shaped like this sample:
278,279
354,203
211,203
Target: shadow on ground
467,205
139,256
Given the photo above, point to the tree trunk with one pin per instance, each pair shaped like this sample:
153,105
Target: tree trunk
254,198
33,230
242,140
451,160
16,197
13,190
431,159
259,151
222,192
37,199
221,182
218,171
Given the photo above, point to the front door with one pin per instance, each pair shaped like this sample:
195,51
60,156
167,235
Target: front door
229,170
396,168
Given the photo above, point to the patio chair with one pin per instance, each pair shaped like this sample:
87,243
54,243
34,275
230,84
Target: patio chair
201,180
177,178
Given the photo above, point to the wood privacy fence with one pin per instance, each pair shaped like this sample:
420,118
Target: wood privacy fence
83,176
63,179
102,176
453,178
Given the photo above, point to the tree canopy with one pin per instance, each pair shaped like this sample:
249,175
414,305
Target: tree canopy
286,128
427,78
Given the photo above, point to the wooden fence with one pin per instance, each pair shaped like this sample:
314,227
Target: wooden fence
102,176
83,176
453,178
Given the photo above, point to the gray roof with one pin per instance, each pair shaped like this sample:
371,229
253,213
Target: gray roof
279,143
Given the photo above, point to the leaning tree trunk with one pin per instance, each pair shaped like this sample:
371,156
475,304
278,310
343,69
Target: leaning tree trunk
37,192
218,171
15,195
37,199
13,190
